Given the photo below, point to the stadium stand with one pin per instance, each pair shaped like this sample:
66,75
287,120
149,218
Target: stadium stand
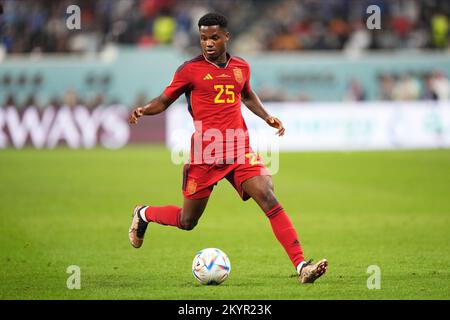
37,28
256,25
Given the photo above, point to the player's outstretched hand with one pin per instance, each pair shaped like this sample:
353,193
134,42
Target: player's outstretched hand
138,112
276,123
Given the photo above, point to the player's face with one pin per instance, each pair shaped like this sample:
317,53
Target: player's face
213,41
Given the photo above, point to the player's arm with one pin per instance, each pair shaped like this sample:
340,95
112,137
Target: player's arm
157,105
252,101
180,83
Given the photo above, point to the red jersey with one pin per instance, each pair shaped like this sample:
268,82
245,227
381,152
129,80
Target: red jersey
213,94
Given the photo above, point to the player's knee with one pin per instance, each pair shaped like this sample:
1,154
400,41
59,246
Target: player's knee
266,198
188,223
269,198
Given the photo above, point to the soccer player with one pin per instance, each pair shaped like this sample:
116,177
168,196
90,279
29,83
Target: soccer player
214,84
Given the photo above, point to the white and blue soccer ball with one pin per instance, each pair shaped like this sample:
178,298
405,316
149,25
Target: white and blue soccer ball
211,266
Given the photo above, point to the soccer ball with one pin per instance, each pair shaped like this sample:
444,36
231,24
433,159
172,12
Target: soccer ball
211,266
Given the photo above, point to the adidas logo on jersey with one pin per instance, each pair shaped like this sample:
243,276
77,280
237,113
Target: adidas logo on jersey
208,77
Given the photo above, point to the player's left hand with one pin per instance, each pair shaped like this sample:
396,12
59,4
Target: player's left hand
137,113
276,123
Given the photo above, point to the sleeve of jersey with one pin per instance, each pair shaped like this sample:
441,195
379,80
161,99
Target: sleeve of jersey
179,85
247,88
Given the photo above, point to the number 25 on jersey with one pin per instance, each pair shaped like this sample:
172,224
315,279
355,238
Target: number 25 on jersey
225,93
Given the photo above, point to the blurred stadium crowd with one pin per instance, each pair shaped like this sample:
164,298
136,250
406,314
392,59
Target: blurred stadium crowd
256,25
39,26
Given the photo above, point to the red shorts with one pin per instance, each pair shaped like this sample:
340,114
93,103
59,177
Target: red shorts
199,179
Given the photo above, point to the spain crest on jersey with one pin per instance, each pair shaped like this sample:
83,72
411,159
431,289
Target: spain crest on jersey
238,75
191,186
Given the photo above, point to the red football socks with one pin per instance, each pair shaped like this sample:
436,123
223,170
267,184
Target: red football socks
165,215
285,233
281,225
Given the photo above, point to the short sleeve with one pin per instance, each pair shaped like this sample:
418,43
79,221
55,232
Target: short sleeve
247,88
180,83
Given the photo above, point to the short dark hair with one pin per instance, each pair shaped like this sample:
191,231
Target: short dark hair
213,19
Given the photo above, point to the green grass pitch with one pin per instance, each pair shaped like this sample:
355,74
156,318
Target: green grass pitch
64,207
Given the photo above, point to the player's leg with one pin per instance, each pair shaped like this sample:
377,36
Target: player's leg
185,218
196,191
191,212
260,188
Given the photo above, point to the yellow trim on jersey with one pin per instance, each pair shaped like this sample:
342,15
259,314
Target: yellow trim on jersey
216,64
